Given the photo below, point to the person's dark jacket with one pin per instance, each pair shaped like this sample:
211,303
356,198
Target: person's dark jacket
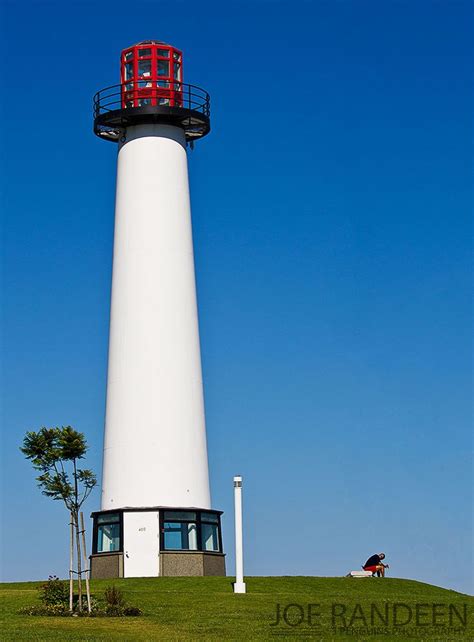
373,561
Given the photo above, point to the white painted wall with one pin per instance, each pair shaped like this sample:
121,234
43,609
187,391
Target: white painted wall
155,450
141,537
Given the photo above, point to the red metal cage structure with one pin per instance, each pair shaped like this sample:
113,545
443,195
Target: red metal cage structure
151,73
151,90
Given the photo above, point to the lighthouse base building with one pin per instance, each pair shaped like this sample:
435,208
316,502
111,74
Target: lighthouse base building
156,517
158,541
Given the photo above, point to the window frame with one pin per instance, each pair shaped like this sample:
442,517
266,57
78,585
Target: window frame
213,537
95,532
198,521
141,77
181,522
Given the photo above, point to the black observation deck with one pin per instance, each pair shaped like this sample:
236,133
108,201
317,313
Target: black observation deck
179,104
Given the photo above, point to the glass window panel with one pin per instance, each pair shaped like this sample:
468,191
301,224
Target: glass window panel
129,55
144,68
162,83
108,518
144,52
191,532
163,101
129,70
108,538
172,536
163,68
144,83
210,517
210,537
129,86
180,536
144,101
163,52
176,56
177,71
171,515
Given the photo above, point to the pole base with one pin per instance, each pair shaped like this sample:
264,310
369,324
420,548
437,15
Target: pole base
240,587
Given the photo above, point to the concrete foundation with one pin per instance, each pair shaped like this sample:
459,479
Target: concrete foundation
172,564
106,565
191,563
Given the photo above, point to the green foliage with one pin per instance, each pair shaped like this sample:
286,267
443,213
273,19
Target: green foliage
56,486
54,592
55,610
50,451
95,604
113,597
132,611
59,610
115,605
71,443
55,598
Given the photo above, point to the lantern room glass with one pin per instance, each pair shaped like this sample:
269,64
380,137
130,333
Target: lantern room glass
144,68
151,74
163,68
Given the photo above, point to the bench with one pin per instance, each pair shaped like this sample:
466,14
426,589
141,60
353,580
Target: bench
359,574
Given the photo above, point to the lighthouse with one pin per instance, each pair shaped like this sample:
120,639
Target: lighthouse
156,517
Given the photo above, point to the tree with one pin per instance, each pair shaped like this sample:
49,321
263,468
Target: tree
55,452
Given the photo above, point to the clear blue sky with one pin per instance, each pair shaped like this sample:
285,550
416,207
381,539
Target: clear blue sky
331,208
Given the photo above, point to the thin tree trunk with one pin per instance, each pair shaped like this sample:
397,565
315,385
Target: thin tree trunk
78,562
86,562
71,561
79,566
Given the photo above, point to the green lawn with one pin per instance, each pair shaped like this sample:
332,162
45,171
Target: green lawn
206,609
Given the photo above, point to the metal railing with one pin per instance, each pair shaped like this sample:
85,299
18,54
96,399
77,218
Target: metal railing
140,93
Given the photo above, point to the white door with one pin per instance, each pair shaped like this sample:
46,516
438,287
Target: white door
141,542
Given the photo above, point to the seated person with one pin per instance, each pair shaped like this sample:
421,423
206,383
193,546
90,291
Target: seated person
375,565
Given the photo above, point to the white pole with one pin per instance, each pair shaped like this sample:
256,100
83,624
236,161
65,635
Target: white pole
239,586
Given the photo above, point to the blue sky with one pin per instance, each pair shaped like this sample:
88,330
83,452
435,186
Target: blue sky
331,207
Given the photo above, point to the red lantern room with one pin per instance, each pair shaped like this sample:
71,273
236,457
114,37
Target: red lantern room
151,73
151,90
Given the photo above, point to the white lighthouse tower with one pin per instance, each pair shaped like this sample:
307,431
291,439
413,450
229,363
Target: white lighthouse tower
156,516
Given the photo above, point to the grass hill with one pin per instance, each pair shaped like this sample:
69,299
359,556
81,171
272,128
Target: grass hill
206,609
